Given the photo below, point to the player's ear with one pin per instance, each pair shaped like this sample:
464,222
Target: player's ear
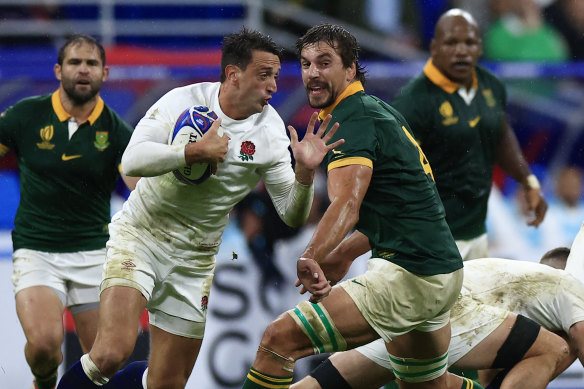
57,70
106,71
232,73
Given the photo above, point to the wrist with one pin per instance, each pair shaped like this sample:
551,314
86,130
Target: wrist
531,182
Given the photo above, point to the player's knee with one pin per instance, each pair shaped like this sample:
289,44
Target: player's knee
44,351
110,359
278,336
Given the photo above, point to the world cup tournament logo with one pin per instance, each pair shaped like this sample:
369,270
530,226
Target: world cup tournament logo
204,302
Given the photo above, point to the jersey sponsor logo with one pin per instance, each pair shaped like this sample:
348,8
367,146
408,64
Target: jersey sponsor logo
46,134
66,157
474,122
337,152
101,140
489,98
204,303
386,254
447,113
247,151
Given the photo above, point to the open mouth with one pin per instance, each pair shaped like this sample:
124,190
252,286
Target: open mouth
461,65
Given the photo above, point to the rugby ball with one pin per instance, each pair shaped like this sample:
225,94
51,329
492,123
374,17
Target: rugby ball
190,127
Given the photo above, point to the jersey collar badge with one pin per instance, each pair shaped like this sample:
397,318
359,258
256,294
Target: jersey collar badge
101,140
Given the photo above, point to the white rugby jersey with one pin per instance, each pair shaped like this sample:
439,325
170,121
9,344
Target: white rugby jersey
551,297
185,216
575,263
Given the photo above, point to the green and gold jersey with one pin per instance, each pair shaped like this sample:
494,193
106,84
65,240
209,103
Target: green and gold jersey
65,184
401,213
459,139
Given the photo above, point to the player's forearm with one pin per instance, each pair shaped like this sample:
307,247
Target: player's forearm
340,217
510,156
292,201
149,159
303,175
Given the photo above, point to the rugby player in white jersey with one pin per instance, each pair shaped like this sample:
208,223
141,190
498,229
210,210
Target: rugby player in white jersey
481,335
161,253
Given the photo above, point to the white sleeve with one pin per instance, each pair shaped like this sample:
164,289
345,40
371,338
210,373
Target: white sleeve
148,153
292,201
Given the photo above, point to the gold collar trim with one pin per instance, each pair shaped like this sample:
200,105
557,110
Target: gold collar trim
64,115
351,89
438,78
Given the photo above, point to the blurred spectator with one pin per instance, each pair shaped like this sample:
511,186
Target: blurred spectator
396,18
520,33
567,16
566,209
477,8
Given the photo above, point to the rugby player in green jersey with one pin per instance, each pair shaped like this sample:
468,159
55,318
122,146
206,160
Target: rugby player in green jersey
69,146
380,182
456,110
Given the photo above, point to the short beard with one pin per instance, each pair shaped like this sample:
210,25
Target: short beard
77,98
327,103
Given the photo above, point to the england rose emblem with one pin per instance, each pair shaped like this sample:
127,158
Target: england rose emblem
247,151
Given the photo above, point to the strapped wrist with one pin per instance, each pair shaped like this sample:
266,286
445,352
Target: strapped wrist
532,182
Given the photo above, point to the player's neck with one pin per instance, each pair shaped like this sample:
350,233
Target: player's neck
78,111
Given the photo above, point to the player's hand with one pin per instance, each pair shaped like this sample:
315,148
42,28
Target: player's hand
212,147
335,267
536,204
312,279
313,147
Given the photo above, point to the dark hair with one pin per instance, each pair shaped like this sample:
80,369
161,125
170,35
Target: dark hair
339,39
237,48
76,39
556,257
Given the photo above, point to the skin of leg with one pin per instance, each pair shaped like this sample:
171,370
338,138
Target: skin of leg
546,356
284,337
40,305
86,327
423,345
120,308
540,363
172,358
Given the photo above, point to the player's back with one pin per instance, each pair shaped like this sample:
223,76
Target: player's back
551,297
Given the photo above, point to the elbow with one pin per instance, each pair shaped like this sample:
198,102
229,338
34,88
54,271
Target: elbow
129,168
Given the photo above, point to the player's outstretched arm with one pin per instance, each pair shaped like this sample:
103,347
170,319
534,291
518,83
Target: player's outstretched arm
310,152
347,186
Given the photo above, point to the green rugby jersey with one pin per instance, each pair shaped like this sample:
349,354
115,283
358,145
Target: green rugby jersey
65,185
459,139
401,213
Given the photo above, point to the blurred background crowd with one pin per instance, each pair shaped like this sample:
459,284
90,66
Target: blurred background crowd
535,46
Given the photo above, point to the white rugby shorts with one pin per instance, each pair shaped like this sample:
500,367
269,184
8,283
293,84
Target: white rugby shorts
74,275
473,248
176,288
423,302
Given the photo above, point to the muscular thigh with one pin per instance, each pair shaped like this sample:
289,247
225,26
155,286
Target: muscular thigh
394,301
334,324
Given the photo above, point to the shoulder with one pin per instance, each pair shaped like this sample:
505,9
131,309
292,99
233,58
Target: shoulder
199,93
